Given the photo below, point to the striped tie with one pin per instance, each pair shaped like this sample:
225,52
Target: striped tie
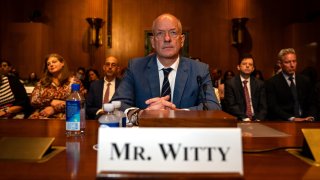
166,85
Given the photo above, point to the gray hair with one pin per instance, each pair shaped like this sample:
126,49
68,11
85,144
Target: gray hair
284,52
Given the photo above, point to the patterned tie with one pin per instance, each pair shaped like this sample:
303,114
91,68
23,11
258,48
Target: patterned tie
295,97
166,85
106,94
248,105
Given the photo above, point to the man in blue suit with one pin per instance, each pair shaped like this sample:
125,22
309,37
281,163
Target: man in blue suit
189,81
102,90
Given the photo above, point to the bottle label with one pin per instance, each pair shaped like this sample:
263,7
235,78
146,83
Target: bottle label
73,109
111,124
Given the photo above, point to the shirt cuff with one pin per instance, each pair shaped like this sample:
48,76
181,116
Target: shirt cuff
291,118
98,112
129,109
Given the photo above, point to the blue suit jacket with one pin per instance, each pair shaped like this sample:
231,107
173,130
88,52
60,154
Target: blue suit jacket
141,82
94,98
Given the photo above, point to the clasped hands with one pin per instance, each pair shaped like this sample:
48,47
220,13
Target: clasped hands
49,110
160,103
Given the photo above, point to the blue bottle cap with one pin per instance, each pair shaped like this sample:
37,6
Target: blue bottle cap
75,87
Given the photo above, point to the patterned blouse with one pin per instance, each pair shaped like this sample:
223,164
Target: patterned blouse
42,96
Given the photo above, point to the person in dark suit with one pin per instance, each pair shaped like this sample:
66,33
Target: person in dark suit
188,80
288,93
102,90
253,108
316,99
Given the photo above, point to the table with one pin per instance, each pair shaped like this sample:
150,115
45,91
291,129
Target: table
277,164
62,166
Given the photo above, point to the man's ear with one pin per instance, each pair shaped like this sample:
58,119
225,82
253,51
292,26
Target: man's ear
152,41
238,67
182,39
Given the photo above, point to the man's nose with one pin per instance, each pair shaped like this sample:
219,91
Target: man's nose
167,37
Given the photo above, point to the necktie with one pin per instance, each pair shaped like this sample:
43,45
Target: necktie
166,85
295,97
248,105
106,94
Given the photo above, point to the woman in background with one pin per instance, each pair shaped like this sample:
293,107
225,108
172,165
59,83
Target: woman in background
14,101
258,75
32,80
91,75
50,93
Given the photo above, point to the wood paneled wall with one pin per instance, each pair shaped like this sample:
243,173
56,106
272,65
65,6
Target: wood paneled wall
271,25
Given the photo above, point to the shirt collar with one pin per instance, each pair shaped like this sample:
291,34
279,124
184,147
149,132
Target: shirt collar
174,66
242,79
287,76
112,82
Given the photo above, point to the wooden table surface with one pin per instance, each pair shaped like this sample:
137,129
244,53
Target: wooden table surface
276,164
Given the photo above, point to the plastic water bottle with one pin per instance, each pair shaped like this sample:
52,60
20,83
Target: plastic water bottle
109,118
120,114
75,112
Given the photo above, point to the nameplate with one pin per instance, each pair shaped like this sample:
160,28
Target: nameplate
170,150
311,144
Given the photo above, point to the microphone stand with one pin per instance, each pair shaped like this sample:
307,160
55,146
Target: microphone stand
204,89
202,93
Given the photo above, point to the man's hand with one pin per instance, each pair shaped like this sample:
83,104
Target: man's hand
304,119
160,103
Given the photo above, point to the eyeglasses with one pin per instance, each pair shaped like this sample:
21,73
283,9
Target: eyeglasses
162,34
110,64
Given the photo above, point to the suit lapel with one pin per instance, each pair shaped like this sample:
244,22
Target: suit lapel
240,86
100,91
253,89
117,82
181,79
253,85
152,75
284,82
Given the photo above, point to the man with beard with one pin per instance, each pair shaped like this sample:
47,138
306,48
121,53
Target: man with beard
102,90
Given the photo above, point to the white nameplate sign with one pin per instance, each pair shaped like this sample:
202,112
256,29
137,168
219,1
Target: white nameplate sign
191,150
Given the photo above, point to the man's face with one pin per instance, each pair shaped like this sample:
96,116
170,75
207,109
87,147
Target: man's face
246,66
5,68
289,64
167,40
110,67
216,74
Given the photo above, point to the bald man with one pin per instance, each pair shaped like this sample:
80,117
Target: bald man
166,80
101,91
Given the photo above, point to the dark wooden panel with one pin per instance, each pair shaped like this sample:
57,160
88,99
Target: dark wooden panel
208,21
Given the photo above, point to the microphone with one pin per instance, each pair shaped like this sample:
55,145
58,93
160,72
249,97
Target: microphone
202,90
